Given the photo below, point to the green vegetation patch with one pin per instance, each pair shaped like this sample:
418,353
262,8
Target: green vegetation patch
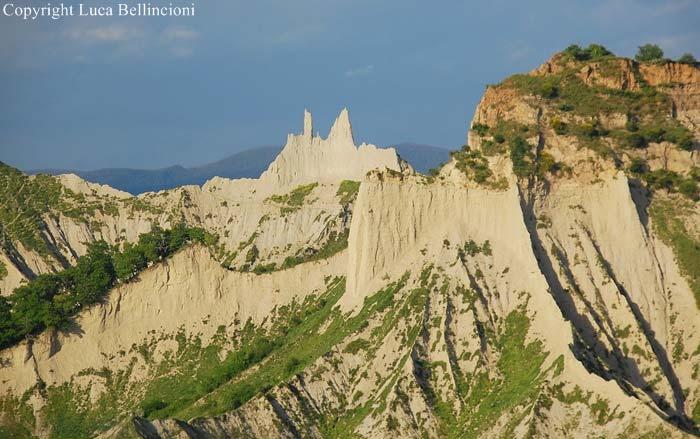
17,416
486,398
24,200
294,200
51,300
476,168
313,336
670,181
668,218
348,191
336,243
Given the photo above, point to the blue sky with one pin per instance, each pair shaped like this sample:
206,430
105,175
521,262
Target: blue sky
86,93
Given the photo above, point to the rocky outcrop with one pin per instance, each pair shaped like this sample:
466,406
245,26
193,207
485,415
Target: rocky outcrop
306,158
557,300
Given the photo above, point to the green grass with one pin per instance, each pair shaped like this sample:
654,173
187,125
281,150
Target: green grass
475,167
486,396
301,346
295,198
17,417
668,219
347,191
25,200
70,413
336,243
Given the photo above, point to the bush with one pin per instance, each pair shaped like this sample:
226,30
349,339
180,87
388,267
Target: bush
472,164
521,156
291,365
686,143
566,107
593,51
151,406
687,58
576,52
559,126
635,140
689,188
480,129
638,166
548,89
649,52
598,51
653,133
592,130
252,255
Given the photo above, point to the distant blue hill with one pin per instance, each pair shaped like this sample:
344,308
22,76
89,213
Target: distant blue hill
248,163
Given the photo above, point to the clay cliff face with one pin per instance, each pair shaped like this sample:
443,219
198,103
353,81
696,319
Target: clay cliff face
543,284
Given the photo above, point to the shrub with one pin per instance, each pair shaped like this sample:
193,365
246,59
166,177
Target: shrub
686,143
649,52
566,107
152,405
653,133
687,58
291,365
547,164
689,188
592,130
576,52
593,51
638,166
548,89
521,156
598,51
662,179
635,140
480,129
472,164
559,126
252,255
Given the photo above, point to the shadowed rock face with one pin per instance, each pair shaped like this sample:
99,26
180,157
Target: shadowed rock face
541,292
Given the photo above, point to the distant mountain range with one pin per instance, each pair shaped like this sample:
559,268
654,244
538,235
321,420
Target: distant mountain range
248,163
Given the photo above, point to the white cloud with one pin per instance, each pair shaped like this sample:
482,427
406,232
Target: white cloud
360,71
113,33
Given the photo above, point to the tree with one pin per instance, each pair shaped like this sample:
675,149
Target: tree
129,262
93,274
593,51
179,236
32,303
8,328
649,52
687,58
597,51
155,244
